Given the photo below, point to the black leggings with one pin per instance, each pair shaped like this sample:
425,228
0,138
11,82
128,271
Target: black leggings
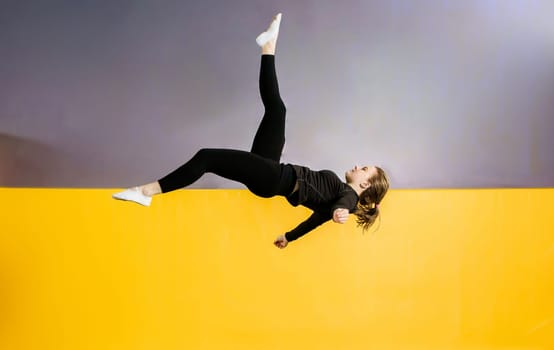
260,169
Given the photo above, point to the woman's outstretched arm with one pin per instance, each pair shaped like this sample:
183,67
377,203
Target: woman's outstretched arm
306,226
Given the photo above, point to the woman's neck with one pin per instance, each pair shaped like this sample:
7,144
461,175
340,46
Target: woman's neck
356,187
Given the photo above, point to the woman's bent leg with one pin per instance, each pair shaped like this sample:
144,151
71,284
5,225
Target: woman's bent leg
260,175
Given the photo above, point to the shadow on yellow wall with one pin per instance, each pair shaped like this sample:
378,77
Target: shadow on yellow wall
446,269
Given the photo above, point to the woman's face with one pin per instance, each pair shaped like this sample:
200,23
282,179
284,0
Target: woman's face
359,175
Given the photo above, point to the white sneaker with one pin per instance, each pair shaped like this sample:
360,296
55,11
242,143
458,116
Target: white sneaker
271,33
133,195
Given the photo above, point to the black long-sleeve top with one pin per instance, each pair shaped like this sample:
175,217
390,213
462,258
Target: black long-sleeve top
323,192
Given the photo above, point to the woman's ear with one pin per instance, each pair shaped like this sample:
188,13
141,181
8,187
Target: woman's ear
365,184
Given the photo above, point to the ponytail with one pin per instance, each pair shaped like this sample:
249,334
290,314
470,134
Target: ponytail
367,210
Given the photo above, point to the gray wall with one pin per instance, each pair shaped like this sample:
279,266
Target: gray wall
439,93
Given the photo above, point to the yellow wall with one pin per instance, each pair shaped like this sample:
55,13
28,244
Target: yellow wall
447,269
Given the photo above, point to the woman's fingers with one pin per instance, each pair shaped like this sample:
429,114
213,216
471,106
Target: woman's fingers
281,241
341,216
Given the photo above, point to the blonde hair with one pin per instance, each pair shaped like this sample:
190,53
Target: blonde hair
367,209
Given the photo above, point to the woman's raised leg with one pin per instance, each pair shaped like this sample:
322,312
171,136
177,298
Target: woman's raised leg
270,137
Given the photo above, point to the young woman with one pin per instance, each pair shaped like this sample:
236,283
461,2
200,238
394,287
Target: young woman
261,171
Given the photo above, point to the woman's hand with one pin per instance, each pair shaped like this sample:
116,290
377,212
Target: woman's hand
281,241
340,215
